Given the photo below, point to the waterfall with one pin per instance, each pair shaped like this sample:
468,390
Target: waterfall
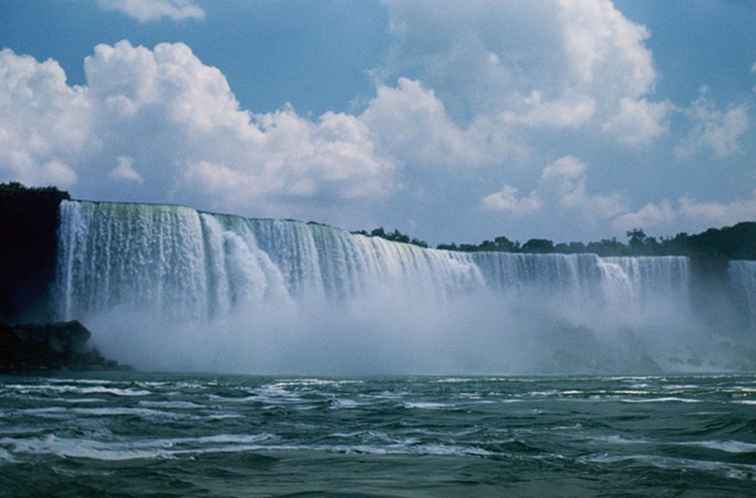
178,262
650,276
743,280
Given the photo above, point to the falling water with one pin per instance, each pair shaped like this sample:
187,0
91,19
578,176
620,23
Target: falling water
177,261
743,281
227,286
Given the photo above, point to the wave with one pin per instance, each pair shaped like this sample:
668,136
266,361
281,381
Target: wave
171,448
727,470
31,388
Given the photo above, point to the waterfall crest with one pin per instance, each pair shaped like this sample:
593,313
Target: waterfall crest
179,262
170,287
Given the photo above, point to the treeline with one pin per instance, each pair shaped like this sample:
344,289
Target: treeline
735,242
395,236
13,190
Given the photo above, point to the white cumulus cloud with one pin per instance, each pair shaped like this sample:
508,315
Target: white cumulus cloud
553,64
412,124
155,10
563,188
508,201
689,212
565,180
177,118
45,124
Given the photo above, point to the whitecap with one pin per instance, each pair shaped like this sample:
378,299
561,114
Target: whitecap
726,446
6,457
170,448
454,380
344,404
426,405
732,471
81,381
181,405
80,400
29,388
124,411
146,449
669,399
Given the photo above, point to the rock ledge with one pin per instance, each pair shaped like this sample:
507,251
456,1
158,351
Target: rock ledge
49,346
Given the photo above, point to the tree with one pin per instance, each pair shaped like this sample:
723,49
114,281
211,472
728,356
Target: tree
538,246
502,243
637,239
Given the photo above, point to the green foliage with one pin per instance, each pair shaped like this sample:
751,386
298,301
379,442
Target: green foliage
8,190
395,236
538,246
735,242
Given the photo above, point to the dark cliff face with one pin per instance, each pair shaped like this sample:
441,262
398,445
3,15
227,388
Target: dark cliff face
53,346
28,247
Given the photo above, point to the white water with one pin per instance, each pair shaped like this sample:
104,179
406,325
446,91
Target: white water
240,292
743,281
177,261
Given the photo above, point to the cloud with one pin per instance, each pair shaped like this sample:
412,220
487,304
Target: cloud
508,201
563,187
155,10
690,212
45,125
639,121
713,130
565,180
412,124
527,66
124,170
650,215
177,118
720,213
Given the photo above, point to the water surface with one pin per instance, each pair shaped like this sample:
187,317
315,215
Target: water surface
132,434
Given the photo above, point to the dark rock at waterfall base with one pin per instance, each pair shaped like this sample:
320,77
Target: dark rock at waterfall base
49,347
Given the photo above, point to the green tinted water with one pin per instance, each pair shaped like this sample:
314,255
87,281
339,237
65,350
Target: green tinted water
130,434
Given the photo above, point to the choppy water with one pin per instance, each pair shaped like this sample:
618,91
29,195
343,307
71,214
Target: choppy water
129,434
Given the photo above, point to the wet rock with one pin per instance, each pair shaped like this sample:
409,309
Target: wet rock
50,346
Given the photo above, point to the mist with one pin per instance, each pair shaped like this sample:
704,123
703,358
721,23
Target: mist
482,332
169,288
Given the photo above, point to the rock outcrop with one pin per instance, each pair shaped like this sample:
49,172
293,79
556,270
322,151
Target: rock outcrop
53,346
28,250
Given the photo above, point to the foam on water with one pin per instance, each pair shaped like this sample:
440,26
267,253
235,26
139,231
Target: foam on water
169,448
727,470
438,438
57,388
726,446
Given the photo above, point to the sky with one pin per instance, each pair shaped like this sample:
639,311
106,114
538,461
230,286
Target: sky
453,121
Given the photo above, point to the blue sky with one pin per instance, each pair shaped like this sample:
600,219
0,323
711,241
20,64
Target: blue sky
451,120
